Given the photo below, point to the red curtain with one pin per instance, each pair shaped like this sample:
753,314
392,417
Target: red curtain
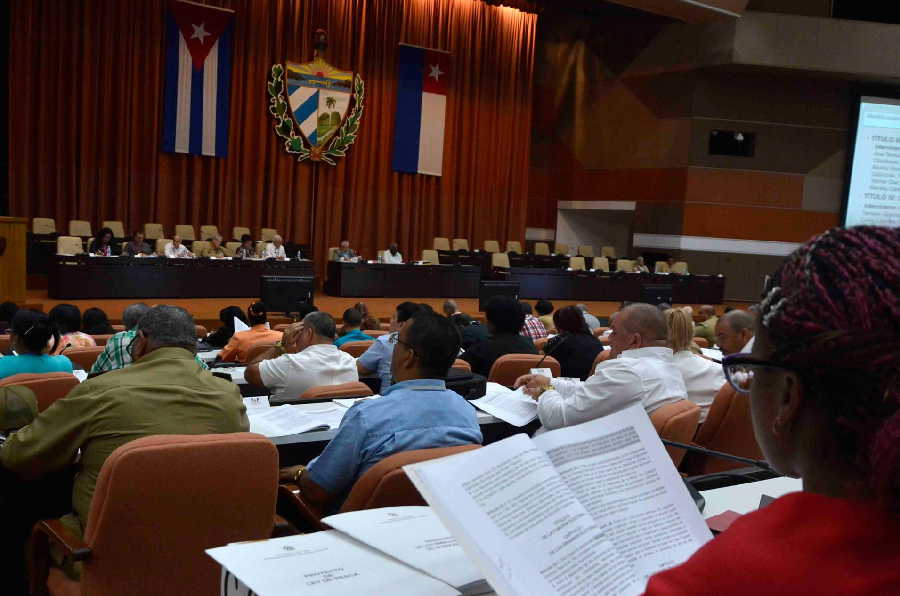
86,82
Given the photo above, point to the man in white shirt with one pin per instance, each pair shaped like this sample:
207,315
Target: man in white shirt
641,370
310,359
735,332
176,250
392,255
275,249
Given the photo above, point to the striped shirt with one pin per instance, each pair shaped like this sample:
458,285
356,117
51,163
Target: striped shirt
117,353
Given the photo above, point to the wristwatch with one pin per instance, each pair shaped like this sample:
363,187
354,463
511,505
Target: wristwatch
299,473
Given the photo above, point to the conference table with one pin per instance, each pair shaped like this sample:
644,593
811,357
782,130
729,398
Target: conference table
83,276
375,280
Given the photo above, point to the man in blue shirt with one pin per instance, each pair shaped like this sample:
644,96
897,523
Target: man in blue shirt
418,412
377,359
352,322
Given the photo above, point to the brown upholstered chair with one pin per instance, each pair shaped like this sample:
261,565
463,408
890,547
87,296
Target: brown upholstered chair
43,225
4,343
383,485
462,365
441,243
540,342
375,332
385,327
500,260
101,340
351,389
200,331
727,428
258,350
509,367
84,357
118,328
491,246
142,537
47,387
676,421
356,348
541,248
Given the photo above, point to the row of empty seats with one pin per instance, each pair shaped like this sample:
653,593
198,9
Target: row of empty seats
152,231
540,248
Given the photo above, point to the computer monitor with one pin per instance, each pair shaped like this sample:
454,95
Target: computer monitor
489,289
656,293
282,293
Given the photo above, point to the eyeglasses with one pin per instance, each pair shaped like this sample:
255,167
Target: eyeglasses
741,368
394,338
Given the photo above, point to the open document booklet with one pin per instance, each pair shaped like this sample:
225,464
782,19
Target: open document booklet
586,510
280,421
590,509
513,407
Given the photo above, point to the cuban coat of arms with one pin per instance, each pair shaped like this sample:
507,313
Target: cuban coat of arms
316,107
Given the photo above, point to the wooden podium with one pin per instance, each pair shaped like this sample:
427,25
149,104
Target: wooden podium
12,258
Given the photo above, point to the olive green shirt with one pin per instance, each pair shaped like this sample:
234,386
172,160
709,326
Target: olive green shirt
165,392
209,251
707,330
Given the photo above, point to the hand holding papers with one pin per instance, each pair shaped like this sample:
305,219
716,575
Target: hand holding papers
514,407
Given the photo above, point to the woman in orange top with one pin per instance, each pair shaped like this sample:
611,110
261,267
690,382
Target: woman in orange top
824,388
241,342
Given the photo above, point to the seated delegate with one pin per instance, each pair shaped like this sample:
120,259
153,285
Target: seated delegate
575,347
29,336
377,359
417,412
176,250
67,319
392,255
825,402
504,320
101,245
239,345
351,329
345,253
136,247
246,250
227,315
214,250
307,358
702,377
275,249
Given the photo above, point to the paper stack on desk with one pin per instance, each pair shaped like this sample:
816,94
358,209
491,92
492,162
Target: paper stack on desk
293,419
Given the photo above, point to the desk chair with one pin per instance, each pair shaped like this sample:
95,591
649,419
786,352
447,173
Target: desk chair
266,234
4,344
101,340
375,332
676,421
586,251
208,231
385,327
626,265
500,260
231,248
608,252
331,251
69,245
576,263
352,389
47,387
161,246
679,267
513,246
43,225
661,267
441,243
198,246
461,365
560,248
509,367
542,249
460,244
84,357
153,231
491,246
238,231
727,428
357,348
383,485
185,231
80,227
142,537
117,227
431,256
601,264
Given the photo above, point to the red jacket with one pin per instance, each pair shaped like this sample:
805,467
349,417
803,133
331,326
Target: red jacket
802,543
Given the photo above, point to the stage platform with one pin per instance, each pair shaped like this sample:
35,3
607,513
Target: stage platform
206,310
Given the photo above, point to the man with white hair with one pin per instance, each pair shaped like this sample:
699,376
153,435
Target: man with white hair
176,250
275,249
214,250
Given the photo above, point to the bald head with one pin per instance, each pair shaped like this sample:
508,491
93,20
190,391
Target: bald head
738,320
646,320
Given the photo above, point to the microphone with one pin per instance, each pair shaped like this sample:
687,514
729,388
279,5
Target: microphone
66,347
759,463
551,350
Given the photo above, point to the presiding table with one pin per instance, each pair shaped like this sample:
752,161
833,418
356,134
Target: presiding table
559,284
83,276
402,281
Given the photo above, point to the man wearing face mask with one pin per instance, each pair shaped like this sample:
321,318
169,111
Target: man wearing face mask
164,391
641,370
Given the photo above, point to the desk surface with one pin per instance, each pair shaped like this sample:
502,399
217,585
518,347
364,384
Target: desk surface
744,498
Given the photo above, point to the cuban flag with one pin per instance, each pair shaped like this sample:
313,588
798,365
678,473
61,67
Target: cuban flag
199,41
422,81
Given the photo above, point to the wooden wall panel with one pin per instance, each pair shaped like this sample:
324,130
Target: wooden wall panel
755,223
743,187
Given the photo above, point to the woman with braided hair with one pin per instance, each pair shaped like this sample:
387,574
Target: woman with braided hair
824,387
